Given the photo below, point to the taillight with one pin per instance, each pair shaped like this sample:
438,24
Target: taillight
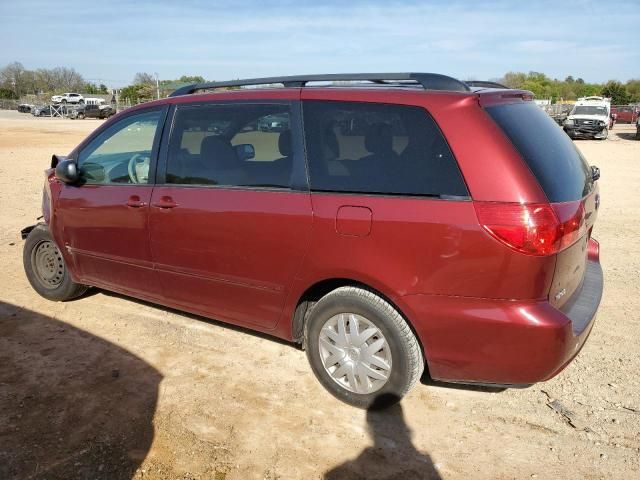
534,229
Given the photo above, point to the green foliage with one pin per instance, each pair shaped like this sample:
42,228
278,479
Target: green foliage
616,92
570,89
91,89
137,93
8,94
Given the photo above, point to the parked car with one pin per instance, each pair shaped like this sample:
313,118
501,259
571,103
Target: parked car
92,111
49,110
625,113
41,111
638,128
68,98
411,223
25,108
590,118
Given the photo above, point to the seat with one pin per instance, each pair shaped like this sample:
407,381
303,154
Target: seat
375,172
220,163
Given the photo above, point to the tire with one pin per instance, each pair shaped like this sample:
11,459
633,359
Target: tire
398,357
606,134
64,101
81,116
81,102
45,267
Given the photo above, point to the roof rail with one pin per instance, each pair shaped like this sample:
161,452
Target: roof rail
428,81
485,84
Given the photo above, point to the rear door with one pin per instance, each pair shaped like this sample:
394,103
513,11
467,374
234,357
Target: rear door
230,219
566,179
104,217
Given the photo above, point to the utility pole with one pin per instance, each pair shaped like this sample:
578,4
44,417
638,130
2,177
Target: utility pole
157,85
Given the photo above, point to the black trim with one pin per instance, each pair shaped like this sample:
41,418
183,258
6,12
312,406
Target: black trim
583,305
428,81
485,84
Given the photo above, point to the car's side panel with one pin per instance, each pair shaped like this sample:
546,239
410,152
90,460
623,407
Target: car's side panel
230,253
106,237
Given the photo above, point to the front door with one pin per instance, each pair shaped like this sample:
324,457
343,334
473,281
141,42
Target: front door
229,227
105,216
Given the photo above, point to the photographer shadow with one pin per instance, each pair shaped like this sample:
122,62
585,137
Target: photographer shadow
392,455
73,405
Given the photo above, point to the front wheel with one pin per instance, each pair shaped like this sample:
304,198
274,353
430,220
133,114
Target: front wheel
604,133
361,349
45,267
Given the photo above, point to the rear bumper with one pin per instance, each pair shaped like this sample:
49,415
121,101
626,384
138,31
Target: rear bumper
472,340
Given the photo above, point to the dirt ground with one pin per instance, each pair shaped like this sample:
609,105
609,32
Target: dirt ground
110,387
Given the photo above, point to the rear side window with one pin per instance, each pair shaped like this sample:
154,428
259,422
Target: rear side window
560,168
378,148
231,145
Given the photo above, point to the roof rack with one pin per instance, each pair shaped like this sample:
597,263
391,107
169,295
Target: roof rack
485,84
428,81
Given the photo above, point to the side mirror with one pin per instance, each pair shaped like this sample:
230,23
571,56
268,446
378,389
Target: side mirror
67,171
595,173
245,151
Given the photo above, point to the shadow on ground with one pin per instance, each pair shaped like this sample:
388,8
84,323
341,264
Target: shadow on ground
73,405
392,456
627,135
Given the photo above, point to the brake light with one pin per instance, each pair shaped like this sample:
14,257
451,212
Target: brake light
534,229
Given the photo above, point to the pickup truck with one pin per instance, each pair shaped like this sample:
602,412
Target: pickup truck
92,111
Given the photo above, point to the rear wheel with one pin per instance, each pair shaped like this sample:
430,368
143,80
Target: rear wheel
81,116
361,349
45,267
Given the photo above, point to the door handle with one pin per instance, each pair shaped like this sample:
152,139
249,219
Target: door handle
135,202
165,202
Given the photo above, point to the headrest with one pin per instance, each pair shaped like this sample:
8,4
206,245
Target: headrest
379,138
218,153
284,143
330,143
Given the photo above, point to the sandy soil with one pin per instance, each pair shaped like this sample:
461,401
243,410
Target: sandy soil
110,387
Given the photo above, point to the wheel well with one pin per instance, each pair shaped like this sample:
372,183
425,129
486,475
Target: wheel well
320,289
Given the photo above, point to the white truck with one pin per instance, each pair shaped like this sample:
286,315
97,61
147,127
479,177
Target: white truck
589,118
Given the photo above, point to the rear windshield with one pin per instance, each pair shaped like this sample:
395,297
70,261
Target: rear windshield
560,168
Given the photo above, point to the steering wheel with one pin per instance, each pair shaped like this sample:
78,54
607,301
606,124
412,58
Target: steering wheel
138,168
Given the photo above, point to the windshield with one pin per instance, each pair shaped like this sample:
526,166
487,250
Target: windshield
589,110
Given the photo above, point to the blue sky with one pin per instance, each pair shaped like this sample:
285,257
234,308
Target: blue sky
109,41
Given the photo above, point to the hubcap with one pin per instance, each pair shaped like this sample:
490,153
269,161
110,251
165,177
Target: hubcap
355,353
47,264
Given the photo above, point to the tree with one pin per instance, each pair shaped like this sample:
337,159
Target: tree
143,78
13,77
103,89
617,92
91,89
633,87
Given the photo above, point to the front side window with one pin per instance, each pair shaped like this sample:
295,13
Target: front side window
122,153
378,148
246,145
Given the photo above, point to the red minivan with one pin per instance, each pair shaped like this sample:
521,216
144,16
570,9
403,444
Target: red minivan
388,223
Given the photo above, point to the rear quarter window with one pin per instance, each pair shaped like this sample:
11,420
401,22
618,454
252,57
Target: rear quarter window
374,148
557,164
